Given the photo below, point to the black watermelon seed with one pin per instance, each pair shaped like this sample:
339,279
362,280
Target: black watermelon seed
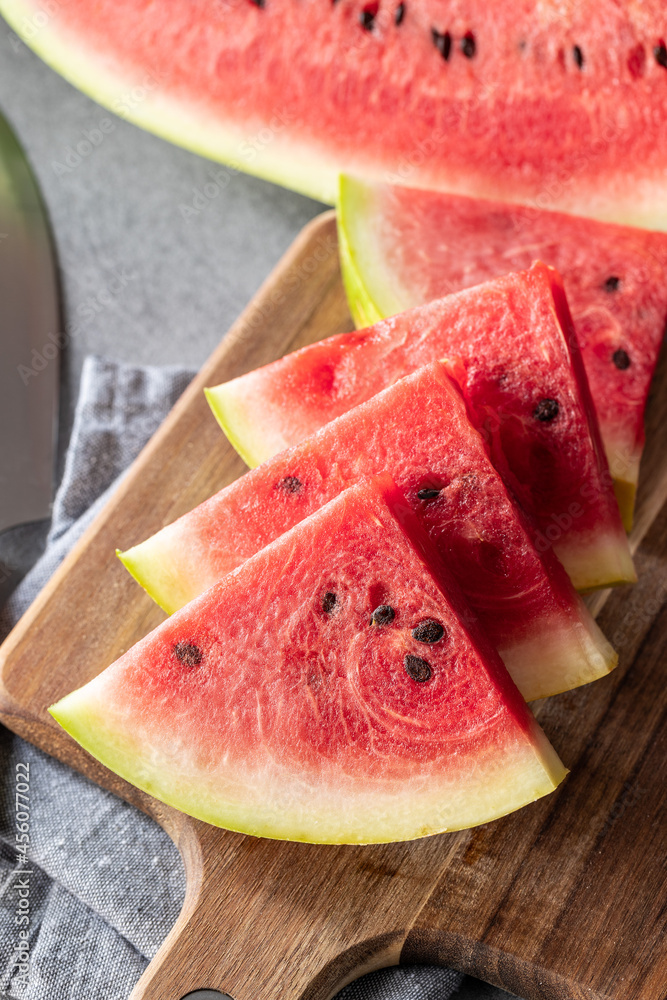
612,284
329,602
621,359
546,410
660,53
290,484
428,494
417,669
399,14
443,43
188,654
468,45
578,56
428,631
383,615
367,17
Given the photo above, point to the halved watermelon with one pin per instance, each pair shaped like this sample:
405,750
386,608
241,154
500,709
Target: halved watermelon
401,247
418,431
524,384
327,690
557,104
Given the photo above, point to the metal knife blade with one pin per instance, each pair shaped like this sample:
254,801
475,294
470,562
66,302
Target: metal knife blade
30,342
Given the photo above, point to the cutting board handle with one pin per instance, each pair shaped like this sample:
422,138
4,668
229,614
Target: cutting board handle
255,933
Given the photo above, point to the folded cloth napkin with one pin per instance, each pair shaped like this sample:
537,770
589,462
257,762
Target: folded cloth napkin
105,882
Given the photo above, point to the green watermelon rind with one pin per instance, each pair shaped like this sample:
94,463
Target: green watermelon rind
149,572
407,816
584,572
350,205
625,487
362,307
227,407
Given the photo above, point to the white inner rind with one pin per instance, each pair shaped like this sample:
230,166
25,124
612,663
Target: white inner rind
602,561
260,796
254,440
556,656
373,291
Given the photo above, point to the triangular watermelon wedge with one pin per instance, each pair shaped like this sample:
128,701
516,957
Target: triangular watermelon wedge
401,247
326,691
524,384
418,431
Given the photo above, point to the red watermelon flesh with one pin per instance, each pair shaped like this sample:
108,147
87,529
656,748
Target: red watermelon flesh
555,104
403,247
526,390
418,431
327,690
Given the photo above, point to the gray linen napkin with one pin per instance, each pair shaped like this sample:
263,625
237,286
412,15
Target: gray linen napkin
105,883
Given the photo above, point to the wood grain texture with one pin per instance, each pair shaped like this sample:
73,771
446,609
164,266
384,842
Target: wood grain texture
565,899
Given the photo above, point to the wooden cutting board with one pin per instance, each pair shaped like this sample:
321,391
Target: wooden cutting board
564,900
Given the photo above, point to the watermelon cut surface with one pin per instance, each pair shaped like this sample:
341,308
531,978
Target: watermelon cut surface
525,388
418,431
557,105
402,247
325,691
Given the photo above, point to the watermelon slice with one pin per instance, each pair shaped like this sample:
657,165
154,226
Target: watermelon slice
326,691
549,103
402,247
525,387
418,431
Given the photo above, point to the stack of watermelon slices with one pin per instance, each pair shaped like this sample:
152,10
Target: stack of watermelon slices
331,674
525,387
417,430
473,101
401,247
341,698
